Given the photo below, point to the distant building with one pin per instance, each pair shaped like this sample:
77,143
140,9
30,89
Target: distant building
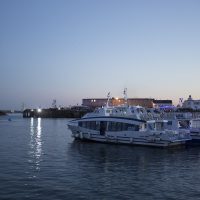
94,103
144,102
99,102
162,104
191,104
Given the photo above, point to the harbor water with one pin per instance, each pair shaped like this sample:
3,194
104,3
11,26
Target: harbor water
40,160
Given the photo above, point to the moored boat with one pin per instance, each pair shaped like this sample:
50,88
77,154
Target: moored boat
125,130
125,124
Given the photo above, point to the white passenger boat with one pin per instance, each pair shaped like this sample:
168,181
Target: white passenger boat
128,125
127,130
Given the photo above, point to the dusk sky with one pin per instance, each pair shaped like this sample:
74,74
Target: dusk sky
73,49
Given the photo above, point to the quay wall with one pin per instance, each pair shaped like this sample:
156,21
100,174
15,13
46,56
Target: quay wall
2,113
53,113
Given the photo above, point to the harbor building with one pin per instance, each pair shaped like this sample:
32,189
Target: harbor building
162,103
144,102
191,104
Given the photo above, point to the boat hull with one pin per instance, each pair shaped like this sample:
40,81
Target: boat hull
129,131
195,140
127,140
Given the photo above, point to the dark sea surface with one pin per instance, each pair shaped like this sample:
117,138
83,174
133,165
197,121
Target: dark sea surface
40,160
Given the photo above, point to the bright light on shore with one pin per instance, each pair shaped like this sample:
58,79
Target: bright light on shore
39,110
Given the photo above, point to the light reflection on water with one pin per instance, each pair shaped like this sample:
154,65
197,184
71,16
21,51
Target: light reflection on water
35,143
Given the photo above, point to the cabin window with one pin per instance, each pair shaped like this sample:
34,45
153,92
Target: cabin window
97,126
118,126
93,125
103,126
84,124
133,127
124,126
80,124
151,126
169,123
90,125
159,126
112,126
137,128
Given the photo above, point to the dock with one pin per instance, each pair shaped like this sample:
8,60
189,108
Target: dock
74,112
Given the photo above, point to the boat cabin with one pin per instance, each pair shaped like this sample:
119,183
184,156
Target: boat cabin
110,125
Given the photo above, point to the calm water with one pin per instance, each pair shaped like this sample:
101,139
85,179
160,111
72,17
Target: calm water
40,160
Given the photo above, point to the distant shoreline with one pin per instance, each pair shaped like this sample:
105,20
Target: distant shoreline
2,113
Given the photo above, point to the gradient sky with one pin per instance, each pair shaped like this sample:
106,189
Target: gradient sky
73,49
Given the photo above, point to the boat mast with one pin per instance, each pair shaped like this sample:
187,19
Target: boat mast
108,96
125,96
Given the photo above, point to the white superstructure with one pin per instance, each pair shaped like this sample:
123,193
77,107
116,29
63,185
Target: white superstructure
191,103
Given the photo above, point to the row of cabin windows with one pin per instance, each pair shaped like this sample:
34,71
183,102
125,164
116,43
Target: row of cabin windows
109,126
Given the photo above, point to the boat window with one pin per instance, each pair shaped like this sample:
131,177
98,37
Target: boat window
137,127
93,125
124,126
88,124
169,123
80,123
118,126
84,124
97,126
133,127
159,126
112,126
103,126
151,126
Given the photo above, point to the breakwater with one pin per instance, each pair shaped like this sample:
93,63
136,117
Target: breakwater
55,113
2,113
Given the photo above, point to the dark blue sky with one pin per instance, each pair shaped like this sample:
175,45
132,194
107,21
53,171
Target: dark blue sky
69,50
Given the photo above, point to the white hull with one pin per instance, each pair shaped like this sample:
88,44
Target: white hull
156,142
195,135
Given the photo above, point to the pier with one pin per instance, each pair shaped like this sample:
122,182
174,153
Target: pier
74,112
2,113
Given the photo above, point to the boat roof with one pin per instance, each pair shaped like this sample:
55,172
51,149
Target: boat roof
111,117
